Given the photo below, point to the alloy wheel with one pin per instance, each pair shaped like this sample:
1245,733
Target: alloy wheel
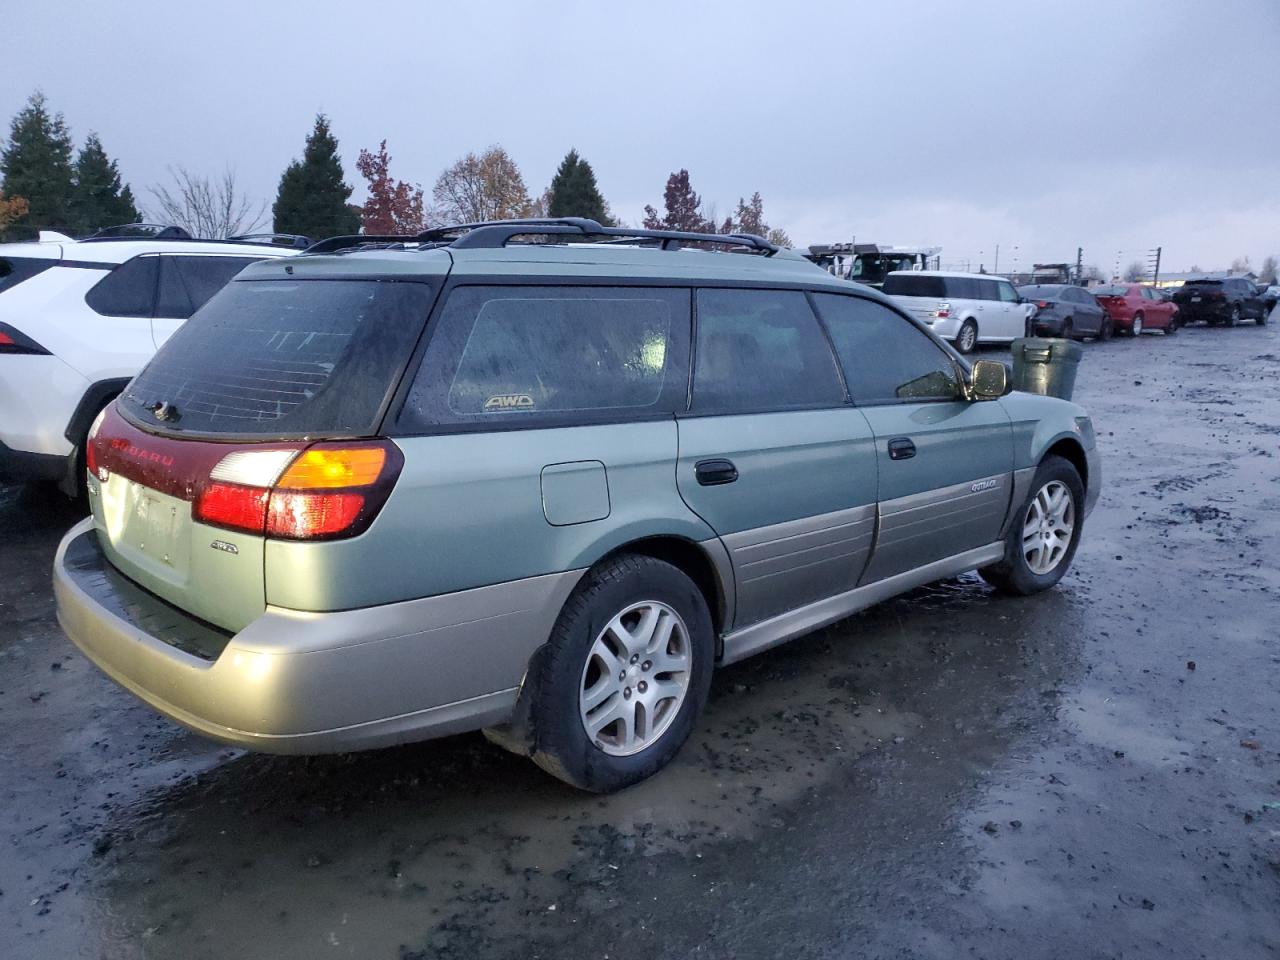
968,338
635,679
1048,528
1136,330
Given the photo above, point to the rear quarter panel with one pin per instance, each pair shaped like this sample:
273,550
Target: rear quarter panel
468,510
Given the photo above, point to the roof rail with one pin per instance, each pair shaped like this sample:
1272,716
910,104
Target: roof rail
142,231
494,234
273,239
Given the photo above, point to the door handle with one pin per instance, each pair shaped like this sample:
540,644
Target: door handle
901,449
712,473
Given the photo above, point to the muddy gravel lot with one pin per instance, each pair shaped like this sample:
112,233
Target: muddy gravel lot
1092,772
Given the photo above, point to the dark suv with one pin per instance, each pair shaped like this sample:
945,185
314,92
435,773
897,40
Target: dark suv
1220,300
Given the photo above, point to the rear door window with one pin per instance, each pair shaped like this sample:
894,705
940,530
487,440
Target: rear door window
14,270
761,350
187,283
127,291
912,285
527,356
1006,292
886,358
284,359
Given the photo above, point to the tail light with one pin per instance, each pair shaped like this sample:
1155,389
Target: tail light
1042,304
14,341
943,311
324,492
90,448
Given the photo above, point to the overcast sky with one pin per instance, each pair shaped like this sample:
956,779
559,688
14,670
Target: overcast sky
1037,126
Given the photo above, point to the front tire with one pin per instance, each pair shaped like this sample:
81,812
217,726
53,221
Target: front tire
1042,540
1235,316
624,677
967,338
1068,329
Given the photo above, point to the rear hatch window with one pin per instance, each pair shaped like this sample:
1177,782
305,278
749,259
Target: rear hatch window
913,285
283,359
1110,291
14,270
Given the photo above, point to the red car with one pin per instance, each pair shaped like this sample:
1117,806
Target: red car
1134,308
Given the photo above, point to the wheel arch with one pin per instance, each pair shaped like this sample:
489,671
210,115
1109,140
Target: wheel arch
707,564
1070,449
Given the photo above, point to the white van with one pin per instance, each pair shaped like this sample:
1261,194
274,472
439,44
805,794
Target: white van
965,308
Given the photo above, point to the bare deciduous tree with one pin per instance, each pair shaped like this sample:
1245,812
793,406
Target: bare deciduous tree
487,186
1267,272
211,209
1135,271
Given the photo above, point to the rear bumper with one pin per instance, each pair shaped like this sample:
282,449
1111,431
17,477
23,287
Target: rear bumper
300,682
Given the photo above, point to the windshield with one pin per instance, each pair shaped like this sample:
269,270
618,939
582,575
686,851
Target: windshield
1041,291
1203,283
283,358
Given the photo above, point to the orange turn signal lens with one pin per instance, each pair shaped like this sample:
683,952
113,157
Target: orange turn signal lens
323,468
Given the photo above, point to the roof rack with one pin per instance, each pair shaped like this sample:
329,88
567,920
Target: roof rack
160,231
142,231
273,239
495,234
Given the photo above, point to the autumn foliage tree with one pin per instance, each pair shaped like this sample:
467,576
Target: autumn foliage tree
12,209
393,206
682,208
486,186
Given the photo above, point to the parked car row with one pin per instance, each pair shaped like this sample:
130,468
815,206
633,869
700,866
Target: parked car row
551,493
971,309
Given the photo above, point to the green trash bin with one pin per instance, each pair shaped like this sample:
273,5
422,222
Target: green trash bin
1046,366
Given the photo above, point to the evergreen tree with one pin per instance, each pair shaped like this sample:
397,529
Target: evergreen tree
574,192
36,164
312,199
98,198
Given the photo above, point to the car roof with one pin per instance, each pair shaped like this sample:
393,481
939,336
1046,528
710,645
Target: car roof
947,273
118,251
623,261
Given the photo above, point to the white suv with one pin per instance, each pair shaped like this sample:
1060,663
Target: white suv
965,308
78,318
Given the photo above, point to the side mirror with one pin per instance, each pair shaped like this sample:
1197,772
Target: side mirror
988,379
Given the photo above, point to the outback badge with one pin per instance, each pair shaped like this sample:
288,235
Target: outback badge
981,485
508,401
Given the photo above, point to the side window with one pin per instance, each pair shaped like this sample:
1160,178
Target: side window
761,350
885,358
172,299
538,355
187,283
1006,292
127,291
988,289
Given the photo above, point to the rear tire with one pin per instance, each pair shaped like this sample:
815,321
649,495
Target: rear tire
1135,329
1172,327
1044,534
1235,316
1068,329
1108,329
967,338
1264,316
615,620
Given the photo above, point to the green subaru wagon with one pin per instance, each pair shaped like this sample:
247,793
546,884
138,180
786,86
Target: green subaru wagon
538,478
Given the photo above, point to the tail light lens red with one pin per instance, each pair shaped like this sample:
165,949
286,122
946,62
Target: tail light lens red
15,341
325,492
1042,304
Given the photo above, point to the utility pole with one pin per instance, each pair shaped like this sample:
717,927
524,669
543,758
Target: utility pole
1080,265
1153,261
996,267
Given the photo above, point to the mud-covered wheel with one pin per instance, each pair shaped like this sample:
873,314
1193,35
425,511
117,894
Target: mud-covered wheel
967,338
1043,537
624,677
1106,330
